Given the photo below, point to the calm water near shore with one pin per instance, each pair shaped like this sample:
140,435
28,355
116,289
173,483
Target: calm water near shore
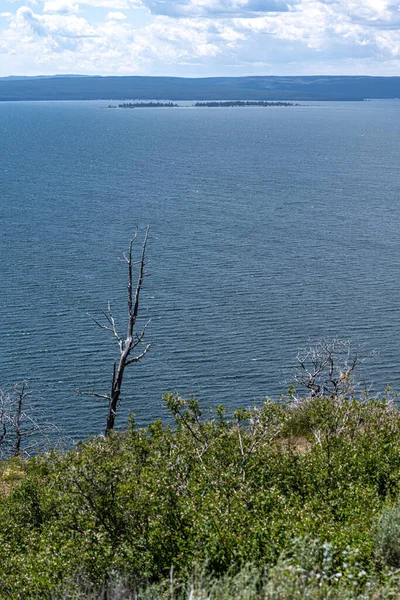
270,227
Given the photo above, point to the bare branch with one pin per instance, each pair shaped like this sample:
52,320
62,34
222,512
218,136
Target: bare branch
327,368
93,394
139,337
139,357
133,313
18,424
100,324
110,319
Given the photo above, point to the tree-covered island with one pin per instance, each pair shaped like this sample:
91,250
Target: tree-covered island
210,104
147,105
235,103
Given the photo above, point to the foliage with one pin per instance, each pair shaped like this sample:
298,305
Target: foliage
242,103
307,571
387,536
222,491
147,105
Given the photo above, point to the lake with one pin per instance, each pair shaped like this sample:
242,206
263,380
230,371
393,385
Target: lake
270,228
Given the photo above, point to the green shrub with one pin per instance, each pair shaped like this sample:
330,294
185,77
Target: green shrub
222,491
306,570
387,536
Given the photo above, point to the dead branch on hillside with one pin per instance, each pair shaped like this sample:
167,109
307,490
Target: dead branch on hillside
21,433
327,369
132,340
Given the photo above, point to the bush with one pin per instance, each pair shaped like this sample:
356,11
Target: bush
307,570
387,536
223,491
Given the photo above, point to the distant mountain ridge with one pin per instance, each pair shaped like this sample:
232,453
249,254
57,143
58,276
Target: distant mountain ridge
14,77
312,87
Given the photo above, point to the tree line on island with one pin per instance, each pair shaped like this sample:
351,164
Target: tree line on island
243,103
211,104
145,105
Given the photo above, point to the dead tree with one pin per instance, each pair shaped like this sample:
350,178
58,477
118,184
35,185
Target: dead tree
128,344
327,369
21,434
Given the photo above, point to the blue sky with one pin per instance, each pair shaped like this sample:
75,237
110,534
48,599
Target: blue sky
193,38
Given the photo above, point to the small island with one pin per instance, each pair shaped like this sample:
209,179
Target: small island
147,105
243,103
204,104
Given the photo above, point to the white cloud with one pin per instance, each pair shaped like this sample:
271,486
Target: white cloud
328,26
116,16
64,7
202,37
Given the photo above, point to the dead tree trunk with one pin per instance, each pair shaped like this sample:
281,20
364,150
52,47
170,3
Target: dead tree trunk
18,420
132,340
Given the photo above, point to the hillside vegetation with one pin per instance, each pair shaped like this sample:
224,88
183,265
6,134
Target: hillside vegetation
289,500
312,87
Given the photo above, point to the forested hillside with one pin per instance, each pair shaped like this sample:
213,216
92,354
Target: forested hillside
208,88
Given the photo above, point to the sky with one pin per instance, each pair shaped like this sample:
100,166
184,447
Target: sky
197,38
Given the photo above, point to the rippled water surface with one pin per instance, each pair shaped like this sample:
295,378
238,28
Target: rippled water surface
269,228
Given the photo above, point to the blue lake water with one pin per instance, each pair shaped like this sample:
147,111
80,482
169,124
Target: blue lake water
270,228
